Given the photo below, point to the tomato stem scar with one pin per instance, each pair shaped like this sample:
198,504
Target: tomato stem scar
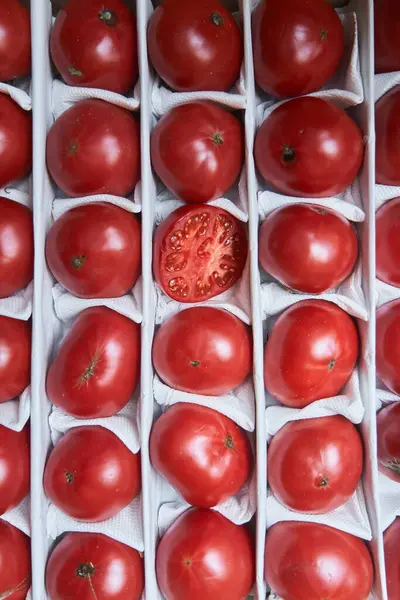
216,19
69,476
324,481
78,261
323,34
229,443
109,17
85,570
288,154
18,588
76,72
331,364
217,138
194,363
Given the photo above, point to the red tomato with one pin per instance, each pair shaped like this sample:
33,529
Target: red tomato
387,41
197,150
391,539
16,141
388,242
15,40
310,353
203,350
97,367
387,123
94,250
388,422
204,455
94,45
15,562
307,561
203,555
94,148
308,248
16,247
91,475
388,345
303,133
15,357
92,565
195,45
314,465
14,467
297,46
198,253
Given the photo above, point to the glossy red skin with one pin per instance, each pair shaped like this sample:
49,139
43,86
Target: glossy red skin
197,150
307,248
388,345
387,123
15,357
297,47
388,242
14,467
203,555
94,250
391,540
16,141
388,423
92,565
204,455
94,44
94,148
15,40
310,353
192,248
308,561
97,366
191,52
15,562
91,475
387,35
203,350
309,131
314,465
16,247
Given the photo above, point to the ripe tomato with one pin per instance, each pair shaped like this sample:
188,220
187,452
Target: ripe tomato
204,455
197,150
15,141
198,253
94,250
195,45
203,555
310,353
388,242
91,475
308,561
388,345
16,247
15,562
307,248
94,148
92,565
15,357
15,40
94,45
388,422
303,133
387,42
203,350
387,123
14,467
297,46
97,367
314,465
391,540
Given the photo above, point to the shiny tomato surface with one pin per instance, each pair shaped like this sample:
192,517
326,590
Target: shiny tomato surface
15,141
388,423
391,540
388,242
15,40
15,357
388,345
15,562
14,467
387,124
387,35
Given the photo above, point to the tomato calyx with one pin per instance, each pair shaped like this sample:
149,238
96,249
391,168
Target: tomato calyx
18,588
86,570
288,154
216,19
76,72
78,261
217,138
89,371
109,17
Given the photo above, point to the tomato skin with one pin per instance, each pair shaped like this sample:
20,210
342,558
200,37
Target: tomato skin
297,47
94,250
94,148
91,475
197,150
302,133
191,49
296,373
15,40
308,561
95,45
16,247
14,467
97,366
307,248
16,141
387,242
387,123
15,357
15,562
388,345
314,465
391,539
388,424
203,555
386,29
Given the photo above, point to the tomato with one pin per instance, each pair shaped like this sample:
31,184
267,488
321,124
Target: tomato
198,253
388,423
197,150
308,248
203,350
297,46
303,133
15,141
16,247
387,123
203,555
15,562
94,250
308,561
204,455
387,42
94,148
195,45
15,40
310,353
388,345
15,357
97,366
91,475
391,539
14,467
387,242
